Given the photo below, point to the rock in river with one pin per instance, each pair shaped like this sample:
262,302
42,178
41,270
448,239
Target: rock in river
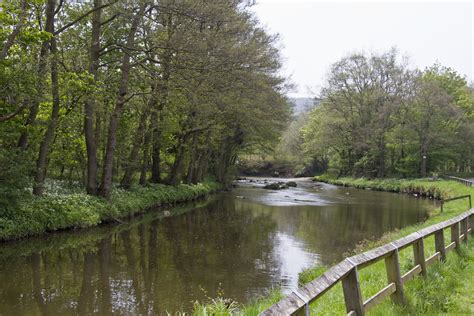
276,186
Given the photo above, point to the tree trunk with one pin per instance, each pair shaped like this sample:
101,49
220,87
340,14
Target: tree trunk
89,104
424,158
156,154
381,157
106,184
41,164
202,162
424,145
131,164
175,172
162,89
192,160
200,169
146,158
40,86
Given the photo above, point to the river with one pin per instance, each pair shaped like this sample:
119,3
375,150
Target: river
239,243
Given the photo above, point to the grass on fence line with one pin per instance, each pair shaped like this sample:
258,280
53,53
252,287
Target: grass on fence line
444,290
60,208
227,307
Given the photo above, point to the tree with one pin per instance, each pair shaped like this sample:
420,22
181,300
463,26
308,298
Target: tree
121,86
378,117
427,116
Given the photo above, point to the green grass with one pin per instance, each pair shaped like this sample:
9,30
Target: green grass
64,209
449,286
226,307
433,188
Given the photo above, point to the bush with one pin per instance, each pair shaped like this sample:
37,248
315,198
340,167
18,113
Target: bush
13,167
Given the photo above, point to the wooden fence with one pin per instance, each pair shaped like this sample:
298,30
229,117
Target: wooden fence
469,183
297,303
456,198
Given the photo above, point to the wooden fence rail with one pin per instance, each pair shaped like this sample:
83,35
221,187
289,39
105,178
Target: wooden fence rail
469,183
456,198
347,271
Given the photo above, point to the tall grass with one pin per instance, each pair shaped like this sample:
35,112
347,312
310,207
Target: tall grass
226,307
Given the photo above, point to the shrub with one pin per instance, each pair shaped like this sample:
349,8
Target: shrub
63,207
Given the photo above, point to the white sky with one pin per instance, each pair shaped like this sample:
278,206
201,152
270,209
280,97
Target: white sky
314,34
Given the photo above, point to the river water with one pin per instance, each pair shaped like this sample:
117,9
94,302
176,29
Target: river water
239,244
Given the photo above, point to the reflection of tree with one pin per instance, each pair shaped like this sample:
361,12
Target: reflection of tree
208,246
86,297
57,275
36,267
162,263
129,250
104,278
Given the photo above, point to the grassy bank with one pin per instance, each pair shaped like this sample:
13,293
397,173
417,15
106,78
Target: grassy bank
432,188
68,209
449,287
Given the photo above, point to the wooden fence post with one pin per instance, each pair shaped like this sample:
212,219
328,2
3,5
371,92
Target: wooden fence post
455,234
352,294
393,275
464,227
303,311
419,254
439,244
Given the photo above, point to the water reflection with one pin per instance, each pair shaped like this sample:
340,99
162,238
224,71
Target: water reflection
153,264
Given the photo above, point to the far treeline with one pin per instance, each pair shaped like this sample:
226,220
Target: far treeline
379,118
108,92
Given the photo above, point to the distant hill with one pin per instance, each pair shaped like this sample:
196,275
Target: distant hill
301,105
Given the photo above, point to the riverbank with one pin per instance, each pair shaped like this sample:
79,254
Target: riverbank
448,287
430,188
60,209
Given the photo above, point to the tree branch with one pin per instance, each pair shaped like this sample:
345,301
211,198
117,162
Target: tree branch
16,31
65,27
13,114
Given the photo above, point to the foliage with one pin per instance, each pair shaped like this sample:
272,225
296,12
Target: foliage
73,209
12,180
104,91
218,306
222,306
379,118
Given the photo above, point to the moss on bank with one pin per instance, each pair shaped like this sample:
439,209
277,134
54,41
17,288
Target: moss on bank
448,287
60,209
